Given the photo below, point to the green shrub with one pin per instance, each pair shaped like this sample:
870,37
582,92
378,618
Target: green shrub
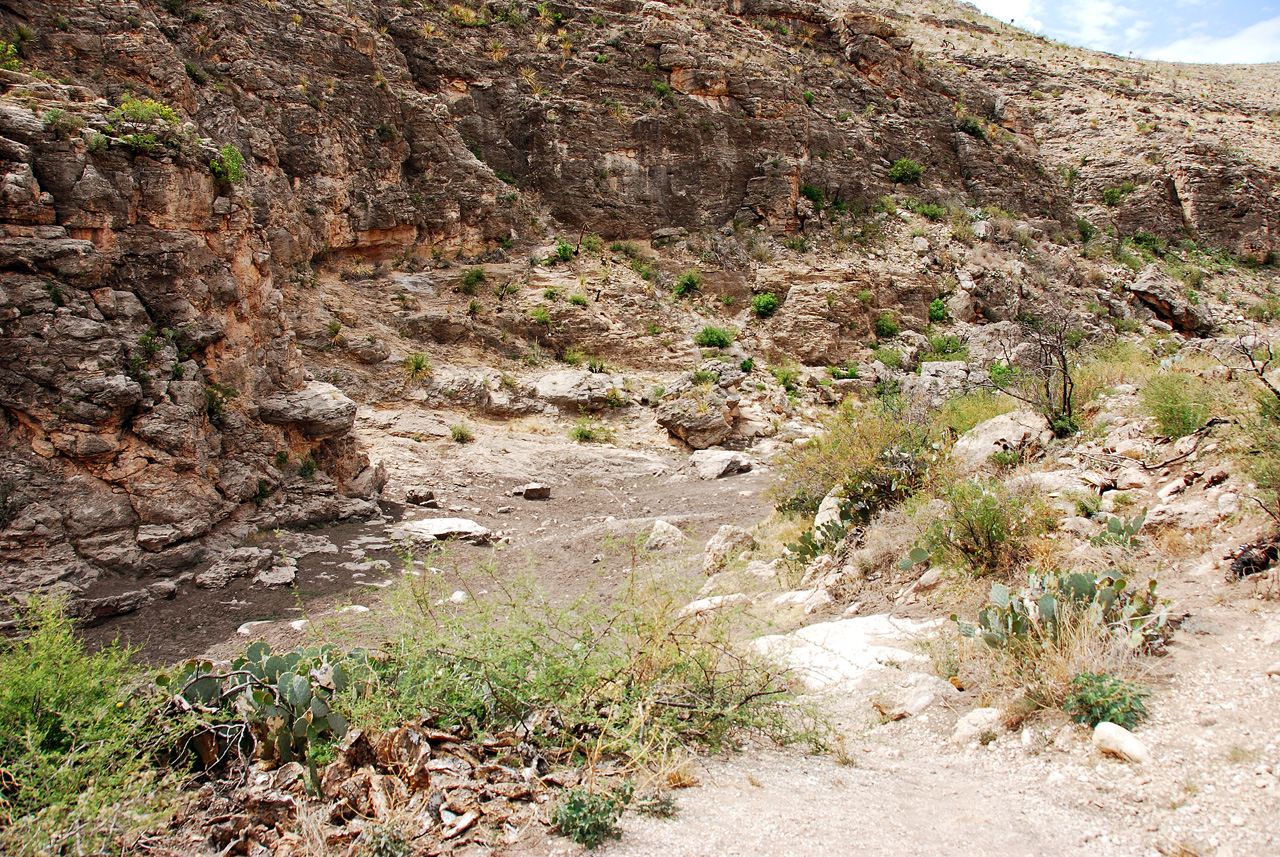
886,326
687,283
786,376
663,90
927,210
1087,230
461,434
471,280
61,123
597,365
578,300
77,745
592,243
589,818
984,527
905,171
947,346
228,167
307,467
587,430
798,243
938,311
890,357
714,337
846,371
1113,196
764,304
143,111
1098,699
9,56
563,251
814,195
572,356
1179,403
866,296
540,315
972,126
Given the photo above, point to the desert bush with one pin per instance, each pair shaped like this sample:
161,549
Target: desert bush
78,746
143,111
687,283
588,430
1180,403
788,377
886,326
1049,385
621,678
1113,196
590,817
905,171
938,311
948,346
764,304
714,337
1095,699
845,371
471,280
63,124
984,527
228,167
578,300
461,433
879,455
927,210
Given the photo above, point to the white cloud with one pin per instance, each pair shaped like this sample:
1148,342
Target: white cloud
1020,11
1006,9
1099,24
1257,43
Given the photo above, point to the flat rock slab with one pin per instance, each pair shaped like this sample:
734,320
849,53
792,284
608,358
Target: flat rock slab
439,529
718,463
834,654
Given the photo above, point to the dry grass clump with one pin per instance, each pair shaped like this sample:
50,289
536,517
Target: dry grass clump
879,454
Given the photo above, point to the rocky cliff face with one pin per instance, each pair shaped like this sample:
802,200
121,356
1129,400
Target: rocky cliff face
154,402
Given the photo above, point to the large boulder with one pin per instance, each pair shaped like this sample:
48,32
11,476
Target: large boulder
938,381
701,418
319,410
718,463
238,562
1160,292
578,388
1024,432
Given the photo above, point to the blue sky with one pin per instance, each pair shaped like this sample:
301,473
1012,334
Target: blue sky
1215,31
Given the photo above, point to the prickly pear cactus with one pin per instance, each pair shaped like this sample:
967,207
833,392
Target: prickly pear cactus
285,700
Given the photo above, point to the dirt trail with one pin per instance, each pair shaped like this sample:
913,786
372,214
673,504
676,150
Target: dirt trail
1211,789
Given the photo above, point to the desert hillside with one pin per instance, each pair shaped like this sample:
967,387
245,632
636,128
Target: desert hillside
458,428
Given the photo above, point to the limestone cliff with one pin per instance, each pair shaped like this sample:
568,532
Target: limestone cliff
171,169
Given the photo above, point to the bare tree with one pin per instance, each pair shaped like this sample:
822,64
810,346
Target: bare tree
1046,383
